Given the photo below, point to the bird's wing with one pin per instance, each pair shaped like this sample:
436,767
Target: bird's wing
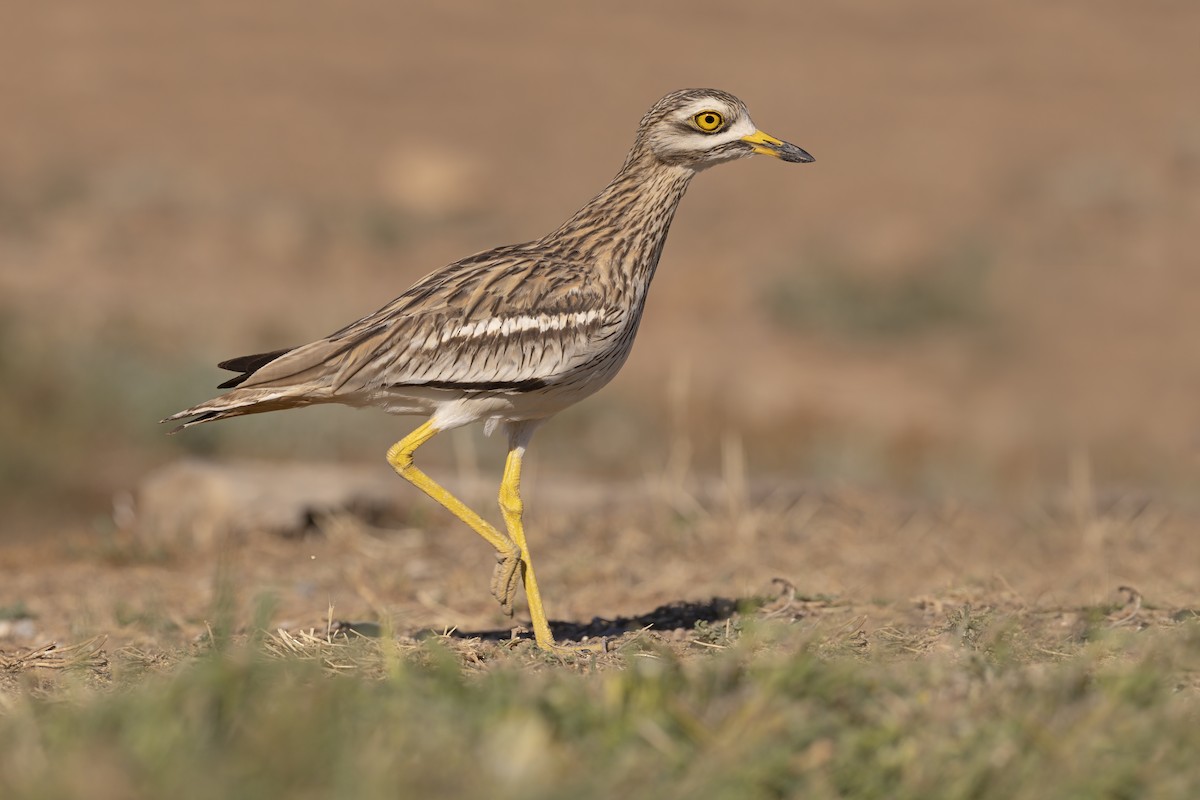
507,319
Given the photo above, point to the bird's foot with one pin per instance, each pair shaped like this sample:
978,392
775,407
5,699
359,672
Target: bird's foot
506,578
581,648
549,645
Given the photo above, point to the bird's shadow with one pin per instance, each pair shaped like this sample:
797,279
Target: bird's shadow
672,616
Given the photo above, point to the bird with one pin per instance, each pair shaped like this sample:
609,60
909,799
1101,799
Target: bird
513,335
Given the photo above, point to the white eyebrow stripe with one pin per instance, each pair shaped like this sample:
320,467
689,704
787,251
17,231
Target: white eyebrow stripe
500,327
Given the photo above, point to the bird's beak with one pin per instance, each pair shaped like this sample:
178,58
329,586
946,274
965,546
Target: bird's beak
768,145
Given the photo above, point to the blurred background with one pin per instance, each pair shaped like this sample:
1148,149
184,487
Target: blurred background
990,273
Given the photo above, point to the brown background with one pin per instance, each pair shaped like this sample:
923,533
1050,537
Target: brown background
990,271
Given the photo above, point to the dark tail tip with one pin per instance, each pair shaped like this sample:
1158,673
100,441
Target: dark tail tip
207,416
248,365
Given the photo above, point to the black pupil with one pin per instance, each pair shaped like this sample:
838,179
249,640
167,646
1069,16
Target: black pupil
710,119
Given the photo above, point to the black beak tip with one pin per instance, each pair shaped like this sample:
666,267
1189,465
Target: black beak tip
795,155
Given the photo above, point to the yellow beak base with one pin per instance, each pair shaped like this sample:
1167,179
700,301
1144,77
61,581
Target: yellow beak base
767,145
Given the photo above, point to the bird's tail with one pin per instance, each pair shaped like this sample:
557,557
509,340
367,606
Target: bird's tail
240,402
288,378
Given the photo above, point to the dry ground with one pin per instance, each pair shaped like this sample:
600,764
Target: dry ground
876,564
909,652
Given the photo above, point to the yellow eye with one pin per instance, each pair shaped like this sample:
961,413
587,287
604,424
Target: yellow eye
708,121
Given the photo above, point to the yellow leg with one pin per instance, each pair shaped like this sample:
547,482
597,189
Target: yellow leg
504,581
512,508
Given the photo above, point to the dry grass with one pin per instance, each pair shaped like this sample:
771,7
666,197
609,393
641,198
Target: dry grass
764,640
984,704
371,663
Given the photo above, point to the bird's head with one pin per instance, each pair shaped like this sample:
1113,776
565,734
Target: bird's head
697,128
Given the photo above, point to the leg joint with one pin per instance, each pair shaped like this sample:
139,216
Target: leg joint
400,457
510,502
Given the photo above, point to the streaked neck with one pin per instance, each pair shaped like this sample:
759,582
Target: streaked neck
625,226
